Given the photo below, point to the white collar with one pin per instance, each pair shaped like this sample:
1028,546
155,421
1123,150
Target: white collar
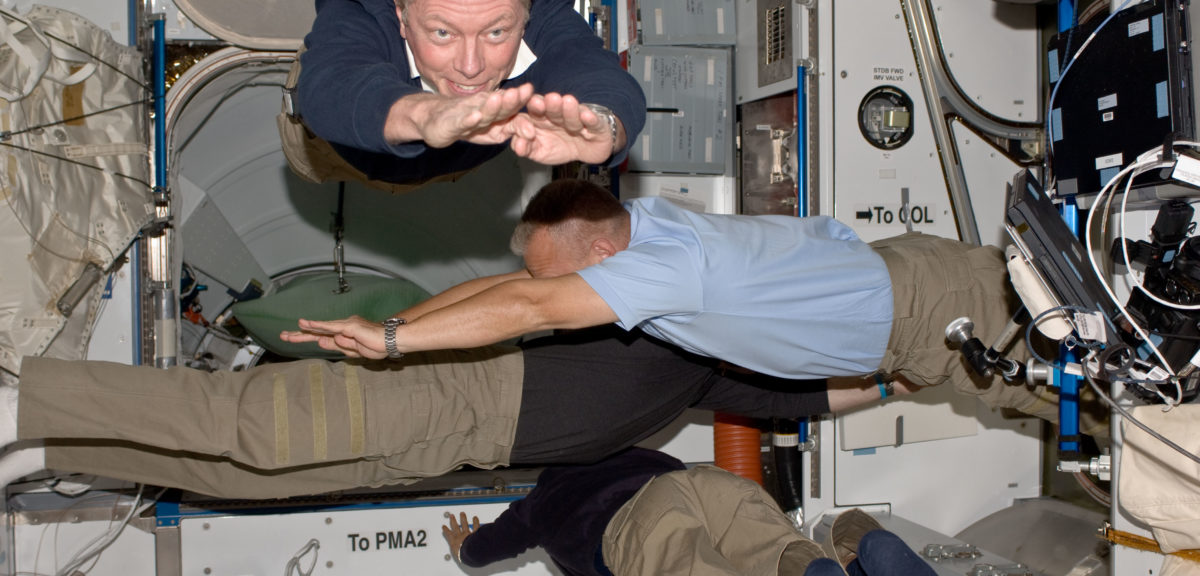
525,59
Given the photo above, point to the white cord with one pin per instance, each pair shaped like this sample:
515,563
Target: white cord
1088,247
1071,62
100,543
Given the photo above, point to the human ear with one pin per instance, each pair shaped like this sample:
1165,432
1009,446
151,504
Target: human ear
603,248
403,28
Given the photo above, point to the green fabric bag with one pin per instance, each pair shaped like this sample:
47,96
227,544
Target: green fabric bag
312,297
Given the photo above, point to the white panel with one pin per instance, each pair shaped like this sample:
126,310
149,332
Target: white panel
935,414
363,542
868,182
988,174
945,485
45,548
992,49
113,335
711,194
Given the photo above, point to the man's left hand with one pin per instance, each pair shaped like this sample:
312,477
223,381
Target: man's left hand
556,128
355,336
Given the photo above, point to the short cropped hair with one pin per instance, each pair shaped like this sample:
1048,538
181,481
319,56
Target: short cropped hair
562,204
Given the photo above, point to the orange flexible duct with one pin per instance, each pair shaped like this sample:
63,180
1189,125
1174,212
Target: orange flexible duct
737,446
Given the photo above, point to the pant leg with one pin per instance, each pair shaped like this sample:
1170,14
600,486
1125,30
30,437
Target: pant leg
427,416
213,475
882,553
702,521
936,280
825,567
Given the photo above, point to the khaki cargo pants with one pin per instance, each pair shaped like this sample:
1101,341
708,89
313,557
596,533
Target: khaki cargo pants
276,430
936,280
700,522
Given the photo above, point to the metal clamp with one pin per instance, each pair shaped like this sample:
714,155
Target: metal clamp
1005,570
939,552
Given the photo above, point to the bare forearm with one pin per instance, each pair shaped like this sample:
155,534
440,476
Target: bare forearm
507,310
849,393
458,293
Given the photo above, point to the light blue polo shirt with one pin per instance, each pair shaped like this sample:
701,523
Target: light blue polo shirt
791,297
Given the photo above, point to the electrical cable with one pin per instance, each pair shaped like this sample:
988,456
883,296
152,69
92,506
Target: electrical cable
1097,493
9,134
1132,170
100,543
1067,68
1126,415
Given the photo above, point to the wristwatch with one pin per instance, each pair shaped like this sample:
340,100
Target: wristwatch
605,113
389,338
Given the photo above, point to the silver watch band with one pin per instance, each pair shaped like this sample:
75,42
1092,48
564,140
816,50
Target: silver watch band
389,338
607,114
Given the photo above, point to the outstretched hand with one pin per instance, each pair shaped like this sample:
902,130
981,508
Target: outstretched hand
355,336
458,530
482,118
556,129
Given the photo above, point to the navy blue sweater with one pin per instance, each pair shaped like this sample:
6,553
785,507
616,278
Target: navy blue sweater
355,67
568,511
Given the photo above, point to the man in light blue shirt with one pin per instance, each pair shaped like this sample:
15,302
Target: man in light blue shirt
790,297
755,290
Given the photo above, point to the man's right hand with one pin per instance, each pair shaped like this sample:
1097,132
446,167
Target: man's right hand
457,531
440,120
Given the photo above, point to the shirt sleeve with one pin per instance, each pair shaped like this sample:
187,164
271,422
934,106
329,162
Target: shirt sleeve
571,59
352,71
762,396
505,538
648,281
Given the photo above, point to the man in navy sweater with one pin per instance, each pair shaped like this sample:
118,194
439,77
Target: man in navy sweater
642,512
408,90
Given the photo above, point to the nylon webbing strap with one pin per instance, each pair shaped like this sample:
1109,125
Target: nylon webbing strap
354,403
282,450
316,389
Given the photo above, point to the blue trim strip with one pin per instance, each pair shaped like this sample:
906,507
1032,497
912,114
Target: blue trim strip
1066,15
170,513
1156,31
1161,99
1068,385
132,20
801,141
1056,125
160,104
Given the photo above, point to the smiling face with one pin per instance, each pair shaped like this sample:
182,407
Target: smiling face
463,47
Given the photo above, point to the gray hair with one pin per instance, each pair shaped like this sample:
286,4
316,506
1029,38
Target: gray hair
403,6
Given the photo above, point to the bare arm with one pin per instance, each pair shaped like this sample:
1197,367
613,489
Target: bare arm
848,393
505,310
458,293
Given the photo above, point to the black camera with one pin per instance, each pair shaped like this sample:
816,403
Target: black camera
1171,259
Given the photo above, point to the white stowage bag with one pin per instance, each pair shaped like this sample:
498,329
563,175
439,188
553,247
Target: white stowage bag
74,174
1158,485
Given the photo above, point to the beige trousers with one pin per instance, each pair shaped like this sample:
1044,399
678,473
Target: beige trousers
702,521
276,430
936,280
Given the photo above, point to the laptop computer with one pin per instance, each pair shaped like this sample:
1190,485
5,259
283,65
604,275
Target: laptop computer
1054,252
